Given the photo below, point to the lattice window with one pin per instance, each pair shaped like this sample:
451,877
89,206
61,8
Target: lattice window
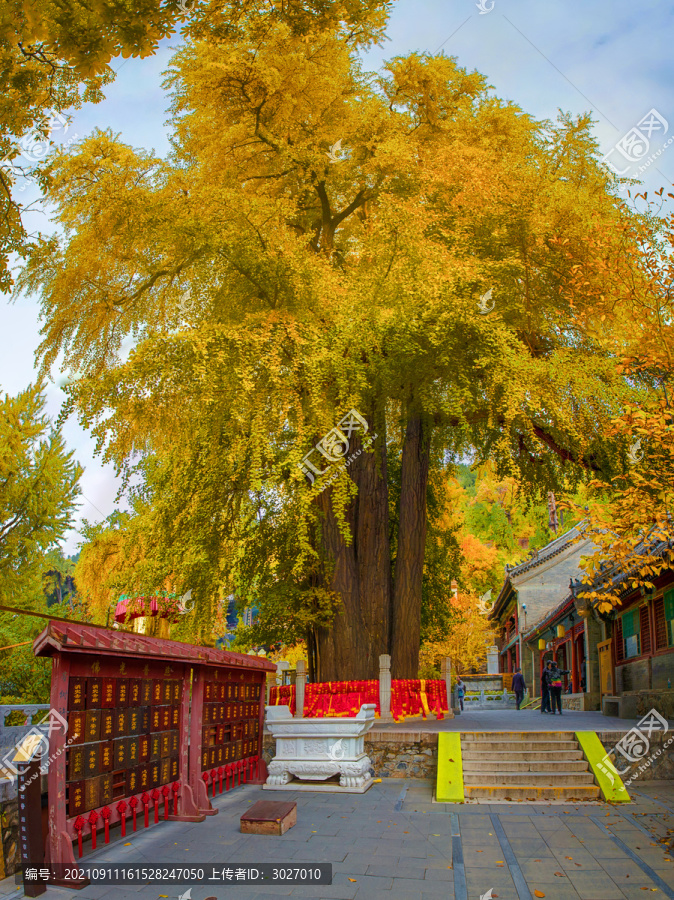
660,624
644,627
619,640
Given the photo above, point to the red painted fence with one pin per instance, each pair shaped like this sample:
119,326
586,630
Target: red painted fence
409,697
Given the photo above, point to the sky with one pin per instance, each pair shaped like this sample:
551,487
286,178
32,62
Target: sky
609,57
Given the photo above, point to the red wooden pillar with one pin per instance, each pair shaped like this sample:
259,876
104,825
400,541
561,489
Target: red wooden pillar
59,843
188,810
261,768
198,786
574,665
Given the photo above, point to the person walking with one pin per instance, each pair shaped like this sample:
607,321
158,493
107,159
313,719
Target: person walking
555,683
545,690
519,687
460,691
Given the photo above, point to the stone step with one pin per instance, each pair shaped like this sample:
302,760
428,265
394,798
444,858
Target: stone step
537,745
507,736
527,765
544,779
520,755
523,793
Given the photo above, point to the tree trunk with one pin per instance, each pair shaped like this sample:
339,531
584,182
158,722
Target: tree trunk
342,648
373,551
409,566
360,633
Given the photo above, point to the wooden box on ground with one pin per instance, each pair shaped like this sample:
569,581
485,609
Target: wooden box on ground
269,817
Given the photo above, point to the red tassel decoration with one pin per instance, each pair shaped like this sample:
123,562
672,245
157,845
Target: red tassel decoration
175,787
145,800
121,809
105,812
155,796
166,790
79,825
93,818
133,803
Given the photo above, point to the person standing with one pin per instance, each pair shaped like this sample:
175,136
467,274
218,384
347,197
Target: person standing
555,683
460,691
519,687
545,690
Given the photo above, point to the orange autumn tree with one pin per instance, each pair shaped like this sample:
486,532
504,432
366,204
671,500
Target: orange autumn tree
633,527
466,643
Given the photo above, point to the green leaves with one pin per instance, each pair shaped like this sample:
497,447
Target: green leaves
38,487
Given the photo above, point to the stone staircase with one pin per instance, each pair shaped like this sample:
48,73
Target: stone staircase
525,765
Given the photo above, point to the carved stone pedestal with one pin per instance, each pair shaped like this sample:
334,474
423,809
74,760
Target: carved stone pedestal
311,751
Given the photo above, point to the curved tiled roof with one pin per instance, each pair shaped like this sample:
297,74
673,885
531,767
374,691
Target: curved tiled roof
554,548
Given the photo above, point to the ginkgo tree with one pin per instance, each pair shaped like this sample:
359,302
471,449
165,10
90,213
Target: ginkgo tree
39,489
55,57
273,282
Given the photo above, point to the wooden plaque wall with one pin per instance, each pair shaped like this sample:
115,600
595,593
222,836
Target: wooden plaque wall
131,726
123,735
226,750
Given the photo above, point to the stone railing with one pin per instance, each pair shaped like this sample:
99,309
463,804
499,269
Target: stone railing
10,735
491,700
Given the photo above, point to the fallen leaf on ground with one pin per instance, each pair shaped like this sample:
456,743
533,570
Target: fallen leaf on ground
352,879
560,874
539,894
568,857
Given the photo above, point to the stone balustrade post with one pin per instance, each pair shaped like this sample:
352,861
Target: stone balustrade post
300,682
446,672
385,688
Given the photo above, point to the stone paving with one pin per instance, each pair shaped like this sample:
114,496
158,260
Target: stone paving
514,720
395,843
